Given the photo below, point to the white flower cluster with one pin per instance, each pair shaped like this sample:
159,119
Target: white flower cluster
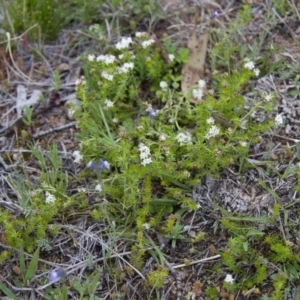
251,66
144,154
91,57
210,121
77,157
107,76
213,131
184,138
146,226
163,85
126,67
171,57
108,103
107,59
229,279
198,92
124,43
98,187
146,44
141,34
80,81
268,97
278,120
162,137
49,198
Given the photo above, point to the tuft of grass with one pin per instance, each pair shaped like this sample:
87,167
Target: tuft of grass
46,17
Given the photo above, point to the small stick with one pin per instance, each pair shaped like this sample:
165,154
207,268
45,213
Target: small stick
58,128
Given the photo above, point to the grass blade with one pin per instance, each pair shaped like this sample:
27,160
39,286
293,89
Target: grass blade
22,263
32,266
7,291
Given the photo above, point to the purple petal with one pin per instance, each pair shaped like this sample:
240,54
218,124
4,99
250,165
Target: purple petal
57,275
104,165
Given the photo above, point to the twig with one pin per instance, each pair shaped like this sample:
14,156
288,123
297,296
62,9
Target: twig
55,129
198,261
287,138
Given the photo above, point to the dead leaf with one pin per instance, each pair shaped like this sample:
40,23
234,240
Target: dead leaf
192,234
63,67
193,70
22,100
16,270
222,121
161,48
20,63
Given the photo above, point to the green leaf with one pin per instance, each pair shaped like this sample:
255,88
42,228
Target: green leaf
92,287
298,150
263,184
22,263
294,93
253,232
7,291
292,271
164,201
230,216
298,293
32,266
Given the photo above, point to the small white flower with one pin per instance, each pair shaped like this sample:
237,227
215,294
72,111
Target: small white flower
256,72
163,85
126,67
171,57
146,226
162,137
146,161
107,76
107,59
229,278
124,43
278,120
115,120
145,154
98,187
49,198
140,34
243,144
268,97
210,120
82,190
91,57
147,43
213,131
144,149
108,103
197,93
120,56
184,138
249,65
78,157
201,84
